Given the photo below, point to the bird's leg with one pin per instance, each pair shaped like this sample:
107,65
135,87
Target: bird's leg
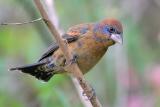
74,59
74,56
91,93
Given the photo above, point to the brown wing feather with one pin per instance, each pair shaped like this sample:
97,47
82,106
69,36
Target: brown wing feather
72,35
79,30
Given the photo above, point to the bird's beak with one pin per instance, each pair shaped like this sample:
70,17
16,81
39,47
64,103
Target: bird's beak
117,38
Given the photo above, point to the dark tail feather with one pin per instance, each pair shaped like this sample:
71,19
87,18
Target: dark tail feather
35,70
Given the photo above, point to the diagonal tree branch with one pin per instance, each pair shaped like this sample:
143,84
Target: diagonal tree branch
71,68
50,4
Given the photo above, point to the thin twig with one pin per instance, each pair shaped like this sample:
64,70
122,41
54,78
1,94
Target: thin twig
21,23
72,68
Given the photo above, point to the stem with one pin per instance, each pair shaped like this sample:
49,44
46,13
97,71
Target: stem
71,68
18,23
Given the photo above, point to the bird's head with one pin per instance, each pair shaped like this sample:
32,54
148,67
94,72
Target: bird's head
111,29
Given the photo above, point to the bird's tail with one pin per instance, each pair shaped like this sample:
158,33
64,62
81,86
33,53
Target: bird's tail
36,70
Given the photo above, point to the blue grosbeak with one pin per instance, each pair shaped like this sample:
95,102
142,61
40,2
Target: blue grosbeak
88,42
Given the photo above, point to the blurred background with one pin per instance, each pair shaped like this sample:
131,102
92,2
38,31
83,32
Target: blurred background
127,76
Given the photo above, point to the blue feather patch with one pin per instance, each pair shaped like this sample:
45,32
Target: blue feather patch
105,30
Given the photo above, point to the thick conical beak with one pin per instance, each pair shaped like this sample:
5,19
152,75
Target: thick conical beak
117,38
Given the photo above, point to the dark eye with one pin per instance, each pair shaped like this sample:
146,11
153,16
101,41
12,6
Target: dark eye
112,30
109,30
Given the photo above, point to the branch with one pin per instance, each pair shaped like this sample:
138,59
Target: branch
71,68
53,15
85,102
18,23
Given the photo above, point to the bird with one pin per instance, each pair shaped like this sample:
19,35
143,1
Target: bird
88,42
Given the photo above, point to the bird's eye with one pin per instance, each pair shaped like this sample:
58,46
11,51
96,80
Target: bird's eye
108,30
112,30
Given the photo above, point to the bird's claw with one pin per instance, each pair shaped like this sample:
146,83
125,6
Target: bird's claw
91,94
74,59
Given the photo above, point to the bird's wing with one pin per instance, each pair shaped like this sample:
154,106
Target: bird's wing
72,35
53,47
79,30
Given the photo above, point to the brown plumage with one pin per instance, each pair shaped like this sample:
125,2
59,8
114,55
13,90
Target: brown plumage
88,42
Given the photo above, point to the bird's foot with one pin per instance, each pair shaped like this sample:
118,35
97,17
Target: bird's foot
91,93
74,59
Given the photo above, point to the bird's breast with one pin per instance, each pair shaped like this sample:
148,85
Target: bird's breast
89,52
